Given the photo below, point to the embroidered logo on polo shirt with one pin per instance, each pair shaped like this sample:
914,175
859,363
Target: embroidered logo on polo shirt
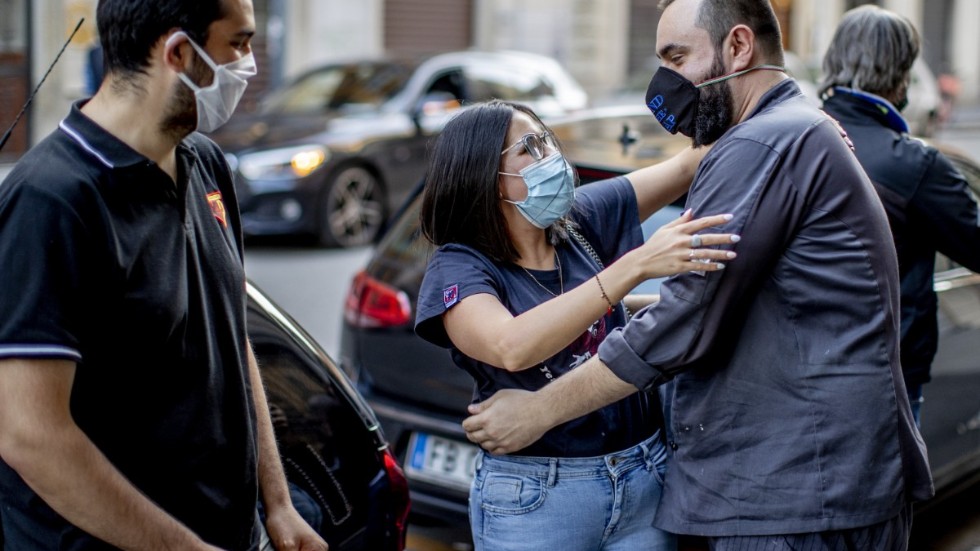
218,207
450,295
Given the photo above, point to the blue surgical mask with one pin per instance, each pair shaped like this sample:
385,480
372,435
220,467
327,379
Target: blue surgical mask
550,190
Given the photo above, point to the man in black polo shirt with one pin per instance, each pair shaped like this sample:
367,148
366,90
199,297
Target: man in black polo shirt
131,410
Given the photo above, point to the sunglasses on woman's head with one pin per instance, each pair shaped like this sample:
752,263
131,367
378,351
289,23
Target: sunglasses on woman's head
535,144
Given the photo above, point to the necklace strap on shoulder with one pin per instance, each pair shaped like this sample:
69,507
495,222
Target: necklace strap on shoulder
561,279
595,256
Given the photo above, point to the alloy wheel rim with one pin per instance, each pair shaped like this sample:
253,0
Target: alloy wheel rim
355,210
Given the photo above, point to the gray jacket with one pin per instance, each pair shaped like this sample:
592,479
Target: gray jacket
787,411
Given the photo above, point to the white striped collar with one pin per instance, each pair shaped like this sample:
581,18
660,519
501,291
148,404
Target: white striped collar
82,142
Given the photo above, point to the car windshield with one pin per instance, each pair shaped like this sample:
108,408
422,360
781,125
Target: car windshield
349,86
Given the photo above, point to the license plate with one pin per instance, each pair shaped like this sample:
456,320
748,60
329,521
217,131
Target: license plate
441,461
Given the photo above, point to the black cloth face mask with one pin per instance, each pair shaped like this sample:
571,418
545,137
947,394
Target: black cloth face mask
673,99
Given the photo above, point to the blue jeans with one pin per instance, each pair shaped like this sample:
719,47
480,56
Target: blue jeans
569,504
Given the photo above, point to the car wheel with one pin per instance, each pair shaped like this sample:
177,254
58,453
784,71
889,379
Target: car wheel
352,208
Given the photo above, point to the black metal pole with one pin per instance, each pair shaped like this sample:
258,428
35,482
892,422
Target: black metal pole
27,104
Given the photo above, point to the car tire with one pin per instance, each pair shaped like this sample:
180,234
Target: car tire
352,208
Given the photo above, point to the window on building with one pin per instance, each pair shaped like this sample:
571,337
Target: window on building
14,74
855,3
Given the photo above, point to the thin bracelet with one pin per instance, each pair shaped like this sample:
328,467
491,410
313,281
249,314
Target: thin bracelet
604,296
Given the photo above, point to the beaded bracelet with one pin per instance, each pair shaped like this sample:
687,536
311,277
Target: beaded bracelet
604,295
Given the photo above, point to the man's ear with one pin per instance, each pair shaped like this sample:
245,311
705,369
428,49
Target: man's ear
740,47
176,52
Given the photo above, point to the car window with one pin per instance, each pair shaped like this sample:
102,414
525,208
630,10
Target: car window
346,86
485,82
404,252
451,83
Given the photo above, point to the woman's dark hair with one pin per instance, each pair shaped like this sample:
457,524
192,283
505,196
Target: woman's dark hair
461,200
128,29
719,17
872,50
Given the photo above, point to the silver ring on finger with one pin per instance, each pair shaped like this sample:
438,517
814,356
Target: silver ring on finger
695,241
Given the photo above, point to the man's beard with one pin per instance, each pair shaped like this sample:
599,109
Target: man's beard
715,108
180,118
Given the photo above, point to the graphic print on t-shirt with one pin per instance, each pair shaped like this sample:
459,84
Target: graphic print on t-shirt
587,345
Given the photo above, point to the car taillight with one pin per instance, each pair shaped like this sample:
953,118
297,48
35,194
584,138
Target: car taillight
371,303
399,493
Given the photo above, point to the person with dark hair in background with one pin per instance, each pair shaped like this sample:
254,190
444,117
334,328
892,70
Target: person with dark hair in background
132,414
526,283
867,70
788,423
93,69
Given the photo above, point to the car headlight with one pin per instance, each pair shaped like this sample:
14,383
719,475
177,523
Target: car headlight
282,164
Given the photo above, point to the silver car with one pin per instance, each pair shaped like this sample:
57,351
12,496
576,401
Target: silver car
332,152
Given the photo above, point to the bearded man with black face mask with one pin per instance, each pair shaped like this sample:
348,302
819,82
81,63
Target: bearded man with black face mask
132,414
787,414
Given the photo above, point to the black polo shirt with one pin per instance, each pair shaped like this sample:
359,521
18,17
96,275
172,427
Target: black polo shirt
108,263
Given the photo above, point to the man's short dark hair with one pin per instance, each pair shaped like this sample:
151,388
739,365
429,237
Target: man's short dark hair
718,17
128,29
872,50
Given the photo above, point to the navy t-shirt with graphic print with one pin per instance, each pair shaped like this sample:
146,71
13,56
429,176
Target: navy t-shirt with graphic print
607,215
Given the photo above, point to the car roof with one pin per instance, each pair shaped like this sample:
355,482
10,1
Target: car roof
570,93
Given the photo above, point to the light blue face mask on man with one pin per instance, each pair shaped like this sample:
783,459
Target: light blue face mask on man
550,190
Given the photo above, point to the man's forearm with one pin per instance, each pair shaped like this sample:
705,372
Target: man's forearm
41,442
585,389
511,420
272,479
75,479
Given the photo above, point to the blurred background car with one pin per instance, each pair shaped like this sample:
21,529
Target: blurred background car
331,153
420,396
923,112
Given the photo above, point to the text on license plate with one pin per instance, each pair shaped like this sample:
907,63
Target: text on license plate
441,461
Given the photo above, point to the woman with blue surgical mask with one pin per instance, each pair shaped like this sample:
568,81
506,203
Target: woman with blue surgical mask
528,278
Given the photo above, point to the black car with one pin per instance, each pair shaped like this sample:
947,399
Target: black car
420,396
338,464
333,152
342,475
